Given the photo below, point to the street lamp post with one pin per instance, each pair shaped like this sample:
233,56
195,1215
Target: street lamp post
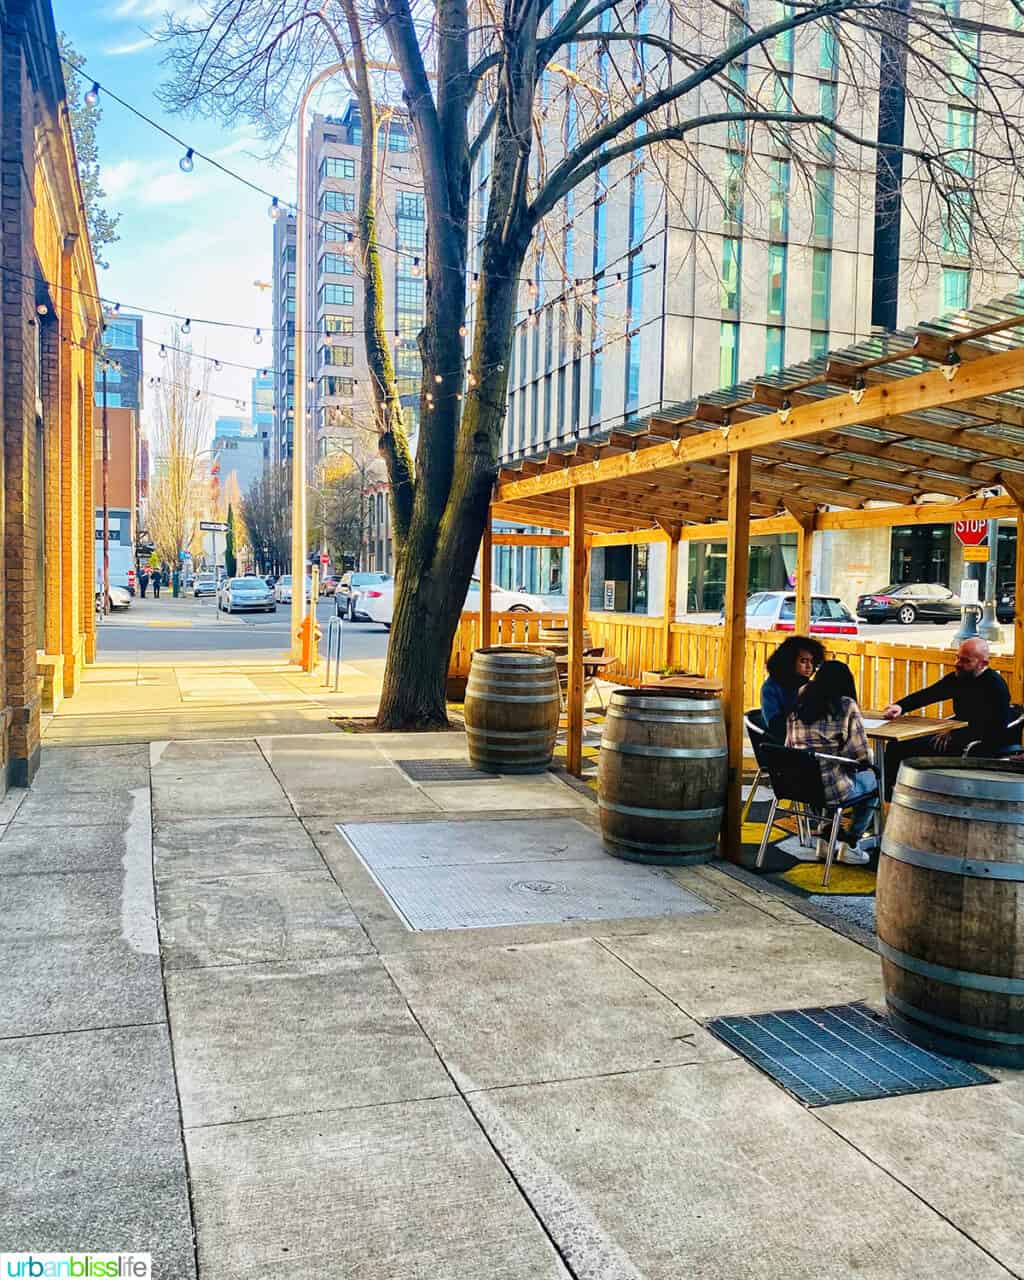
298,609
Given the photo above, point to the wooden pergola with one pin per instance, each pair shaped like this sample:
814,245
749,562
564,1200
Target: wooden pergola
929,421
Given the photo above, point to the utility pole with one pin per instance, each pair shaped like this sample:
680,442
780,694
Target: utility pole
106,504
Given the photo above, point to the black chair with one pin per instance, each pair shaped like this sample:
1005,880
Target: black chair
757,732
1011,748
796,779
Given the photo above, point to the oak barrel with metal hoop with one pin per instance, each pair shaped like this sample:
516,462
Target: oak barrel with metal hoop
950,907
511,709
662,776
558,638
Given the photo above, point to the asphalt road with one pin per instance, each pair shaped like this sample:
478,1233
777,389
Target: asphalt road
190,628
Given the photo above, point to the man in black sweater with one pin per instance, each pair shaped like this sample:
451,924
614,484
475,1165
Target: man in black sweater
979,695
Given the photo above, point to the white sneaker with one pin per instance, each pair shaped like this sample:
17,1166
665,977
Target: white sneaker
854,857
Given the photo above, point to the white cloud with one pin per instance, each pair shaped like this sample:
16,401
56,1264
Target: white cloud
134,46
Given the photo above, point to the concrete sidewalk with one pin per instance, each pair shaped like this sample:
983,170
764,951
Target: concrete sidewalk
216,1019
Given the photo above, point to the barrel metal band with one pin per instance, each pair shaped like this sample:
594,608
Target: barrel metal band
512,697
537,735
668,753
946,781
631,718
955,977
634,811
947,1024
952,864
974,813
655,846
673,704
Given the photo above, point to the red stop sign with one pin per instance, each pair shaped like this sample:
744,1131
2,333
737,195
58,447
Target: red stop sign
972,533
325,559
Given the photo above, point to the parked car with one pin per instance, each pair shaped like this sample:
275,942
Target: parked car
119,598
1006,600
908,602
350,587
378,602
204,585
283,589
246,593
776,611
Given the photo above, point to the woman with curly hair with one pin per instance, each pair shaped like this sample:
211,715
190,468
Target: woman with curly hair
792,664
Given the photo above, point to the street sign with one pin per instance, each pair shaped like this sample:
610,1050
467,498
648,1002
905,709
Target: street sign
325,559
972,533
975,555
218,526
969,591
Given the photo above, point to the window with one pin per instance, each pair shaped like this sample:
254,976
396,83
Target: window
1016,14
777,280
960,140
963,65
338,202
335,324
290,282
600,227
335,231
821,287
333,386
824,200
955,288
336,355
394,138
736,100
730,290
289,306
956,223
827,108
337,167
782,102
634,309
774,349
409,204
113,399
784,40
534,409
636,204
121,334
596,371
819,344
547,432
728,354
337,264
335,295
778,198
828,49
733,187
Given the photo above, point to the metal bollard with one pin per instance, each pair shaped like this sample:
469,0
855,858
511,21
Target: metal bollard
335,629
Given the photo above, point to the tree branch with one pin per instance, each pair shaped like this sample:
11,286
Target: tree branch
486,128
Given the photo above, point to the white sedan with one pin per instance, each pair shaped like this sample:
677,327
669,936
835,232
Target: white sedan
283,589
378,602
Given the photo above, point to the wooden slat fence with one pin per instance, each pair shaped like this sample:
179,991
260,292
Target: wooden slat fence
883,671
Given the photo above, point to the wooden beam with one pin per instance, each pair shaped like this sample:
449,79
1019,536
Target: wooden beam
988,376
1017,691
920,513
486,567
529,540
671,585
577,612
718,530
804,548
635,538
734,645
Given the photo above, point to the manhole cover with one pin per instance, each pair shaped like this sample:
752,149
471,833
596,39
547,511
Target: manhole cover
538,886
844,1053
444,770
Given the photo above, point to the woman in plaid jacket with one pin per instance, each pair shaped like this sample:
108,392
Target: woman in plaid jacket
826,718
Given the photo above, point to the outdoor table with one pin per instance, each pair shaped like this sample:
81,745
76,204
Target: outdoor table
595,663
691,684
903,729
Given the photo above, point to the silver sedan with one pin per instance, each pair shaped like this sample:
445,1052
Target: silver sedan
246,593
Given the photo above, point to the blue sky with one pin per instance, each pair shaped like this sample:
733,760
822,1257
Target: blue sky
194,243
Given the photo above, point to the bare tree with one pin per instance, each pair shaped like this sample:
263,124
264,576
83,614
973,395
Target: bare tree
266,512
182,428
541,98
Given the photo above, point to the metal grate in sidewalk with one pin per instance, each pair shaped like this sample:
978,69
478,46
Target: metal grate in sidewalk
443,770
844,1053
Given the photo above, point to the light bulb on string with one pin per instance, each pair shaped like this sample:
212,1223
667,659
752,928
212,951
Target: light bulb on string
595,297
347,246
416,269
199,395
531,319
274,210
257,337
92,96
472,380
187,326
531,289
162,353
42,309
462,330
438,378
186,164
216,366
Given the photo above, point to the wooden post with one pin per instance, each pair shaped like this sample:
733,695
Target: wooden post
486,564
804,543
734,642
1017,691
577,612
671,584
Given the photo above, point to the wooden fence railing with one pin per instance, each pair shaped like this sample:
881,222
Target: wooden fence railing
883,671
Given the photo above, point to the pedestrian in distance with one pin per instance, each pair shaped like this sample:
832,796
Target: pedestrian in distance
156,584
143,583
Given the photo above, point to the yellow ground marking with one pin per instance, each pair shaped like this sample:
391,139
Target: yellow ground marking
753,831
844,879
168,623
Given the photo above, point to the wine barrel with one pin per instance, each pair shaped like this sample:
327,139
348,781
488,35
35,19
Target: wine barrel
558,638
511,709
662,776
950,901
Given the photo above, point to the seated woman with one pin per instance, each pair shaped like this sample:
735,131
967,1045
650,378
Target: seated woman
789,668
826,718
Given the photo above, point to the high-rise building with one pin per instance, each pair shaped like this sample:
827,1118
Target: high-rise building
263,390
339,399
117,381
284,338
662,278
122,343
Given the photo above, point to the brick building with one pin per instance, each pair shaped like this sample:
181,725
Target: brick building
50,325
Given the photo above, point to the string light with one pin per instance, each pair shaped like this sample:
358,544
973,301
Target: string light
217,366
257,337
92,95
462,330
186,164
275,209
438,378
162,352
187,326
416,269
42,309
531,289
